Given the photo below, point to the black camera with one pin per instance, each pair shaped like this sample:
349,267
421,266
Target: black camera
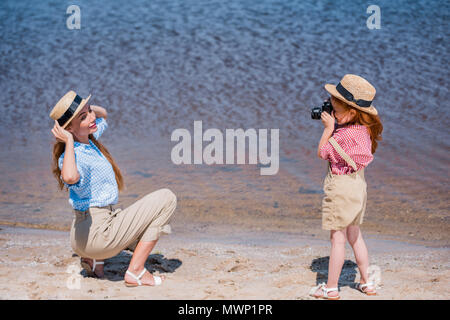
316,112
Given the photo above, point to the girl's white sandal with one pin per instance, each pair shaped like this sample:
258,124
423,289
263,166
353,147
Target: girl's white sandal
156,279
91,270
361,287
325,291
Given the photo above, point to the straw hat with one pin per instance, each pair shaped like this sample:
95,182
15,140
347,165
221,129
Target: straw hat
67,108
355,91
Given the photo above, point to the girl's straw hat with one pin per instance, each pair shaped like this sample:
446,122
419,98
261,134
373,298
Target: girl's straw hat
355,91
67,108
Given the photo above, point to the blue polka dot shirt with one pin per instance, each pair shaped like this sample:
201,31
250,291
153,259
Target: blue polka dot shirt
97,186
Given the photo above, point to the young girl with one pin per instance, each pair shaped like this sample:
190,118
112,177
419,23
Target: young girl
100,230
348,143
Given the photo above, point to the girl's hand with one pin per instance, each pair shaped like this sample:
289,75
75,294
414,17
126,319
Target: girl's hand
60,133
328,120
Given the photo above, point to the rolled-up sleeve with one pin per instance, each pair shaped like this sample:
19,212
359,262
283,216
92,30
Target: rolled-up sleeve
327,152
101,126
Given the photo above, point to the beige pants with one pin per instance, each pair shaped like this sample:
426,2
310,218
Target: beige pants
345,197
103,232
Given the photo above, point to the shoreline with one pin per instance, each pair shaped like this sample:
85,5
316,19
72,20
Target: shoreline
309,227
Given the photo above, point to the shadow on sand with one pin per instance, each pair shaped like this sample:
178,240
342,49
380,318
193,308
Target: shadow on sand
348,273
116,266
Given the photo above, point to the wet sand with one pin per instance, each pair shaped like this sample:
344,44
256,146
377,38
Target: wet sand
217,262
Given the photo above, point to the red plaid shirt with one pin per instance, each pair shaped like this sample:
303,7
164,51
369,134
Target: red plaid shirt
355,140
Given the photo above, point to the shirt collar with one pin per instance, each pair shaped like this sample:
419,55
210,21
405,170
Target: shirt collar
352,126
77,144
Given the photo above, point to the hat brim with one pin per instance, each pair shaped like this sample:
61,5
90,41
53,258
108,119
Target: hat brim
82,104
332,90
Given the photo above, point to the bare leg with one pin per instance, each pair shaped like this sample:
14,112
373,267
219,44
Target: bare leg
140,255
337,256
98,268
356,240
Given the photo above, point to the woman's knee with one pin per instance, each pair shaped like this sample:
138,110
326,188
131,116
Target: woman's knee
163,193
168,194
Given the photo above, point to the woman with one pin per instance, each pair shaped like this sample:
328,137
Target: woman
99,229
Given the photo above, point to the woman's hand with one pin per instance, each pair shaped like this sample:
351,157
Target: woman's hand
100,112
60,133
328,120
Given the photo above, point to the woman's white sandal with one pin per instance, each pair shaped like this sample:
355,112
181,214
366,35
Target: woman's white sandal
91,270
325,291
361,286
156,279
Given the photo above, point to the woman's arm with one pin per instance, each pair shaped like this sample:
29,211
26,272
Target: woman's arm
69,171
100,112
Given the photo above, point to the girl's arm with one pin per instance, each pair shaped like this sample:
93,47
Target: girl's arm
69,171
327,133
328,122
100,112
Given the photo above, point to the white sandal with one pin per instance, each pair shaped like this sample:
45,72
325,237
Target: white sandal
91,270
325,291
361,287
156,279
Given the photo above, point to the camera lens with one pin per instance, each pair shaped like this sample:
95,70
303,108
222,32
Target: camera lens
316,113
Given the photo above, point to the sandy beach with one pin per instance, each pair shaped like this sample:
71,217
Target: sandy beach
215,262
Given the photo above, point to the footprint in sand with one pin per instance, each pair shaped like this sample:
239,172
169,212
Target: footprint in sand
233,265
33,286
226,282
62,262
287,281
282,267
190,253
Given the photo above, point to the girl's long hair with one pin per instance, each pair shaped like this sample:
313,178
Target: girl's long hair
58,149
372,123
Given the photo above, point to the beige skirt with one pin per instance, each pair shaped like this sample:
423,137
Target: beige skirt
345,199
103,232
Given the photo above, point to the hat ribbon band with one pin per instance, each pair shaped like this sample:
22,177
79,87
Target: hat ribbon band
349,96
70,111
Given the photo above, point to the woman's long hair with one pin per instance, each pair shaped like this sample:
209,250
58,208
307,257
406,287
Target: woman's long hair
58,149
372,123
